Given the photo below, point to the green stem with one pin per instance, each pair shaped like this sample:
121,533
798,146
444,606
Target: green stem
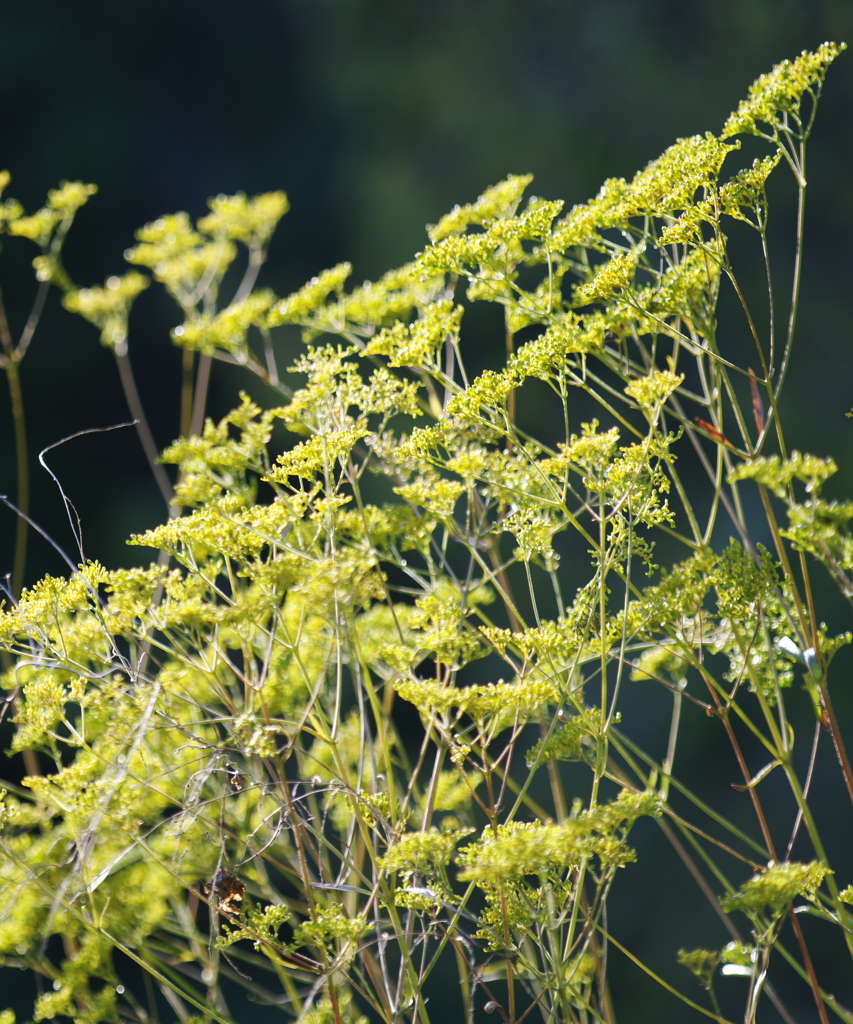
143,430
798,264
200,401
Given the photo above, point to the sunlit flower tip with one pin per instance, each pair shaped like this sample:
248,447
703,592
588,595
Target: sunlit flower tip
179,330
787,646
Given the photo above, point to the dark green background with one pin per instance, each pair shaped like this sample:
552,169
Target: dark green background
377,116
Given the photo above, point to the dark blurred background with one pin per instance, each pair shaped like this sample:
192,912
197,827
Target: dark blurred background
377,116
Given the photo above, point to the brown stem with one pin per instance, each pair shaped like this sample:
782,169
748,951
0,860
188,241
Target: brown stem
22,498
756,803
807,961
837,741
11,361
187,391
